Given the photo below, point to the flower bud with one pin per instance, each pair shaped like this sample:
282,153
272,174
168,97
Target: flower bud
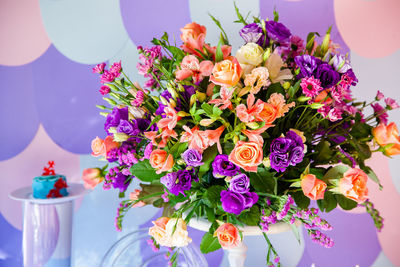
286,85
193,99
183,114
120,137
164,101
266,162
201,96
206,122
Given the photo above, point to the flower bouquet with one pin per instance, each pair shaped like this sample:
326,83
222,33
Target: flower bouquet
245,138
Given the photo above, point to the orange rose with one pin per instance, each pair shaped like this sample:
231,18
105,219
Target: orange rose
227,72
160,160
313,187
247,155
98,147
193,36
91,177
387,134
353,185
268,114
134,195
228,236
110,144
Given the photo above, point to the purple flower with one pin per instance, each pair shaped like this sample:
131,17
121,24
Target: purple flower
169,181
232,202
297,141
104,90
279,162
277,31
251,198
351,77
121,181
107,77
327,75
296,155
192,158
148,150
184,178
223,167
307,64
115,117
253,33
240,184
126,127
280,145
340,63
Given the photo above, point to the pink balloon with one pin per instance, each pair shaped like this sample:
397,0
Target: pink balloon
19,171
23,37
369,28
387,202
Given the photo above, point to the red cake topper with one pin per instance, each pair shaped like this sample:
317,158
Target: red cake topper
49,170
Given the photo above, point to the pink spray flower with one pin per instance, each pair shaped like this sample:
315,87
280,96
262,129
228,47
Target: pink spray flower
104,90
379,95
139,99
380,112
99,68
390,102
311,86
116,68
107,77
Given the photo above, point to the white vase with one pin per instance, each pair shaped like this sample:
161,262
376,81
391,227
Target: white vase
237,256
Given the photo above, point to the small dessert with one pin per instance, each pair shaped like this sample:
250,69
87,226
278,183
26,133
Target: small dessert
49,184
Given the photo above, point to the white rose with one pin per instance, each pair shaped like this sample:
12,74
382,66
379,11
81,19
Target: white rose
250,54
179,238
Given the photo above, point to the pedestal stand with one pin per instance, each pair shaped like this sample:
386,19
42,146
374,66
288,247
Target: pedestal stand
47,227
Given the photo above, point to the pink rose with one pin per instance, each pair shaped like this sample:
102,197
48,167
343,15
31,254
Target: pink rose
227,72
228,236
98,147
312,187
160,160
91,177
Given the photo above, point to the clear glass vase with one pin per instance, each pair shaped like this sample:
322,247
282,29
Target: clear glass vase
133,250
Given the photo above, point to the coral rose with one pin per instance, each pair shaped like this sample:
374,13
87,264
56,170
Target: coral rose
388,134
91,177
312,187
268,114
353,185
98,147
159,233
160,160
247,155
193,36
227,72
228,236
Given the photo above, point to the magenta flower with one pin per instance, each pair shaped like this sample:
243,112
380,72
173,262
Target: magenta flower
107,77
311,86
335,114
390,102
139,99
104,90
116,68
379,95
99,68
380,113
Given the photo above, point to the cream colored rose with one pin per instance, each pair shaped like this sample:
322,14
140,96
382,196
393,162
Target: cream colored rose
179,238
250,54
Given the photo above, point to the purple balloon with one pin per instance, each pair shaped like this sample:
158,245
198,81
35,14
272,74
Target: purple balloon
355,238
66,94
302,17
145,20
19,120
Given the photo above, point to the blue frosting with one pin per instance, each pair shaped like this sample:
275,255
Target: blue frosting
42,185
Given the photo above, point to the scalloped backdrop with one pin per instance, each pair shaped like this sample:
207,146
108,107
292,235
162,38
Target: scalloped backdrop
48,110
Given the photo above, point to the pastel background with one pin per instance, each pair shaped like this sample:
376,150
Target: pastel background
48,112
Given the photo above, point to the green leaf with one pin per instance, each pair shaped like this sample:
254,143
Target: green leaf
239,15
209,243
263,181
361,130
251,217
208,157
325,42
144,172
213,195
210,214
178,148
336,172
276,15
328,203
310,41
295,230
324,152
207,108
220,27
345,203
293,89
177,53
371,174
219,56
301,200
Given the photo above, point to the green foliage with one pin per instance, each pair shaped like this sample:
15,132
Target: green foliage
325,153
208,157
239,15
345,203
263,181
328,203
144,172
293,89
371,174
212,196
209,243
219,56
225,37
251,217
301,200
336,172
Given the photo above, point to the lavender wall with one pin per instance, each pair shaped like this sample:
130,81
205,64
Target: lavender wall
49,94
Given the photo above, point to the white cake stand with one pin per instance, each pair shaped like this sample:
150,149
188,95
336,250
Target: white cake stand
237,256
47,227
